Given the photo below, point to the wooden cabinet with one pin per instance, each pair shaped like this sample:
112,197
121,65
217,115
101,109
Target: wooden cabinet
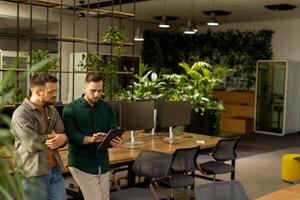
239,113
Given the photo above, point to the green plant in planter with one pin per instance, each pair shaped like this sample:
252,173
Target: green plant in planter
114,36
148,85
50,63
200,81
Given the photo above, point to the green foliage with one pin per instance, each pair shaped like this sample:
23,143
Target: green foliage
114,36
11,93
10,186
147,86
50,63
195,85
94,62
11,175
235,49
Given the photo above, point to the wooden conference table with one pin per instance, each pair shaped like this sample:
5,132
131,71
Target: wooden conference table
292,192
125,155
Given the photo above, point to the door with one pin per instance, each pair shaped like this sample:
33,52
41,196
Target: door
270,90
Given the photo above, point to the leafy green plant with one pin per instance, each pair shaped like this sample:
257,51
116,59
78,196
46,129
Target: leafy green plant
43,55
114,36
11,175
148,85
11,93
94,62
195,85
10,178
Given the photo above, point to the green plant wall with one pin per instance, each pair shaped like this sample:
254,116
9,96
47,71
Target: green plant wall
236,49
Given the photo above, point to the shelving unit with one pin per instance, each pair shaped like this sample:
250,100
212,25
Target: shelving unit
239,113
46,3
71,39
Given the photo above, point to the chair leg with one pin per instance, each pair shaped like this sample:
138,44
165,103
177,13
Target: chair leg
155,197
214,178
172,194
233,175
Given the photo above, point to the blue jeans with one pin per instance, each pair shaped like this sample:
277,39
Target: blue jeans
48,187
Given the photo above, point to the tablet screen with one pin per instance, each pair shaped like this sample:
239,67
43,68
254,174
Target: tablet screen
105,144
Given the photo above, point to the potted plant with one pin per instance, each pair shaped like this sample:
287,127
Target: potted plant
148,85
42,61
204,78
114,36
195,86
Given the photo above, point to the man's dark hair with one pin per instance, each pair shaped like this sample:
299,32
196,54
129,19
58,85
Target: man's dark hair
93,77
42,79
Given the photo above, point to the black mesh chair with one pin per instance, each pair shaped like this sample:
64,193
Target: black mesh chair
152,166
182,169
224,151
223,190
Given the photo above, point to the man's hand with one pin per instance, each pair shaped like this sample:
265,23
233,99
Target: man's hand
56,140
116,142
96,137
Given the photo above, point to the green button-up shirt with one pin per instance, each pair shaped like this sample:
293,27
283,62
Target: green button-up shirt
80,120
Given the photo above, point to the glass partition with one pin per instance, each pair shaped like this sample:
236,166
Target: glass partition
270,96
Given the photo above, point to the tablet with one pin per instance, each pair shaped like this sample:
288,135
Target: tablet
105,144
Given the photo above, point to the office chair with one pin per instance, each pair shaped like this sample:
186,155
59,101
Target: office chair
152,166
223,190
181,170
225,150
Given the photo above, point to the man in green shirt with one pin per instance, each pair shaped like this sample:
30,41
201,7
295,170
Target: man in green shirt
86,121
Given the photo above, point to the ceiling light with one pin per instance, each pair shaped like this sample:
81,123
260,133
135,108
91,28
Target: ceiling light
212,21
194,27
163,23
189,29
138,36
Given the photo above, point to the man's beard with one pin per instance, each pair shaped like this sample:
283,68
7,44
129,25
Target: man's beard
95,99
50,102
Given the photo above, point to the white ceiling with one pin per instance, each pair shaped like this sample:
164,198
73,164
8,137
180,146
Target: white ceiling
241,10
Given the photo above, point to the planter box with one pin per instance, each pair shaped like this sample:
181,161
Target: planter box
203,124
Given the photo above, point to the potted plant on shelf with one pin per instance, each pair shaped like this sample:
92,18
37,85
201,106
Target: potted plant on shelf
107,66
42,61
114,36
